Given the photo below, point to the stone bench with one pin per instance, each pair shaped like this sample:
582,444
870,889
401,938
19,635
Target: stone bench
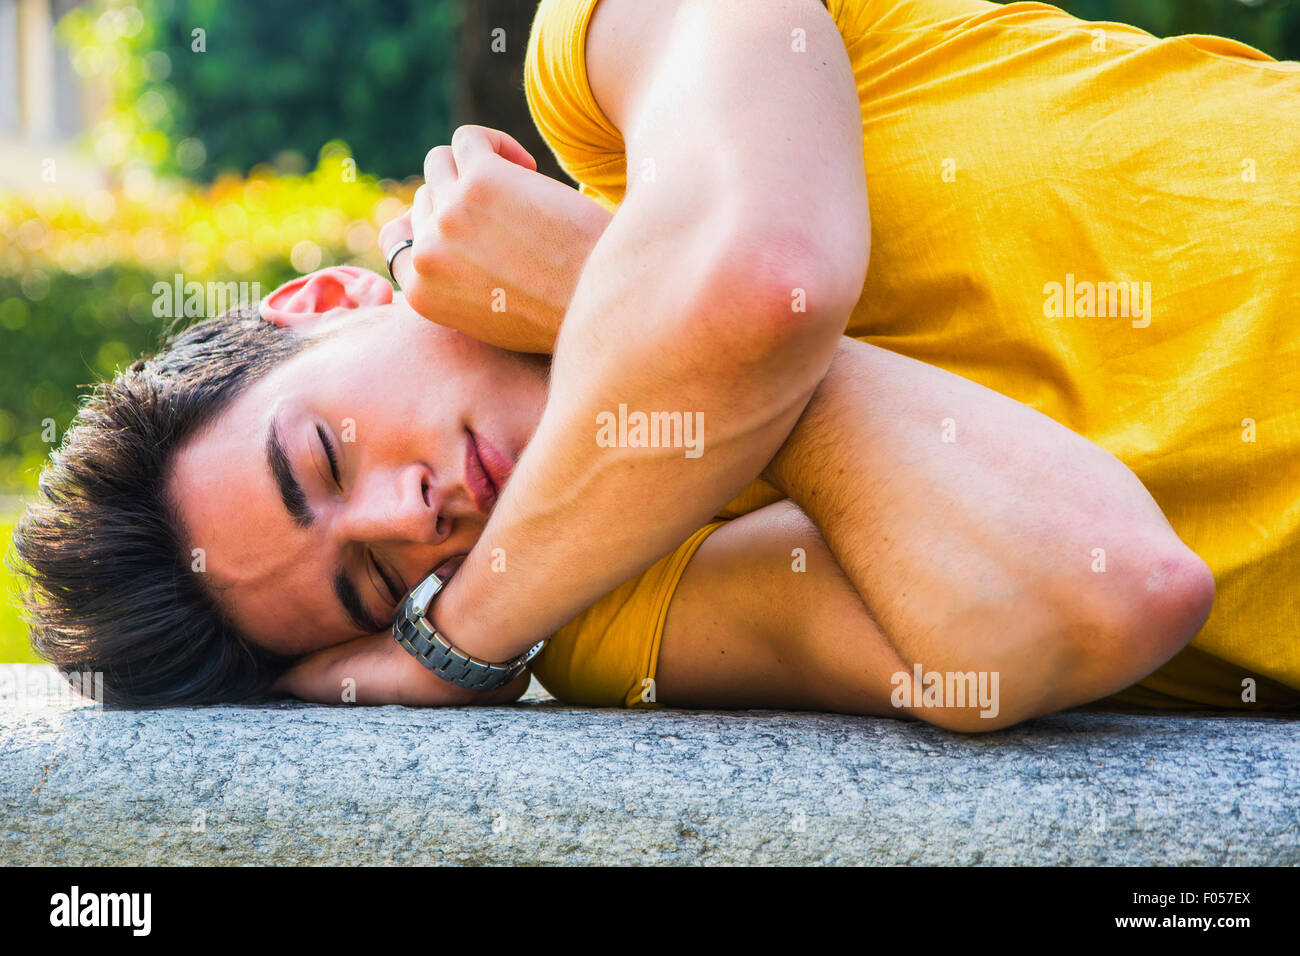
541,782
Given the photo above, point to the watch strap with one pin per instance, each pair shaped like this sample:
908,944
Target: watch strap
415,632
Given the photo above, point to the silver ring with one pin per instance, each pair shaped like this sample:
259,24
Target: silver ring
405,243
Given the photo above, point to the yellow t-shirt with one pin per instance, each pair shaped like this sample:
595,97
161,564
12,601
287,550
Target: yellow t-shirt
1100,224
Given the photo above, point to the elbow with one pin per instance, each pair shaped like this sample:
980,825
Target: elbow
1092,638
1172,602
798,298
1146,616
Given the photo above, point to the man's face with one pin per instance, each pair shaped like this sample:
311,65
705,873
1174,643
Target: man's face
302,561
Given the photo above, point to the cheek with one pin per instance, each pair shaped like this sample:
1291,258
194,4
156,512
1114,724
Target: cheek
364,390
397,417
412,383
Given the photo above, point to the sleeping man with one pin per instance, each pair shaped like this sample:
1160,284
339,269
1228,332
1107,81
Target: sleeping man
245,510
1055,421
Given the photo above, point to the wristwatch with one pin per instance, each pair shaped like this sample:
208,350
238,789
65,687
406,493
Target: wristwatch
415,632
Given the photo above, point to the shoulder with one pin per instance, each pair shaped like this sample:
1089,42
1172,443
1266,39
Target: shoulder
625,38
621,38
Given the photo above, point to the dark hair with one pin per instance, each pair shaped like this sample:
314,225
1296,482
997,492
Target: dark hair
108,583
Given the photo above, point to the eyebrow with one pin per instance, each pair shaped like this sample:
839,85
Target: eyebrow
295,502
291,493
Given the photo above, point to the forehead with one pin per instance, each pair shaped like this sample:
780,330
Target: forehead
264,571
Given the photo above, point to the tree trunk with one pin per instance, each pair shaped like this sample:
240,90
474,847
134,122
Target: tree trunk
492,44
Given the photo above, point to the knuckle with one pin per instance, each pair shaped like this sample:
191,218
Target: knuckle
476,188
452,220
435,153
425,259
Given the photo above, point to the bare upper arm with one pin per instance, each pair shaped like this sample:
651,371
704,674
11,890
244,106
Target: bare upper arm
748,110
763,617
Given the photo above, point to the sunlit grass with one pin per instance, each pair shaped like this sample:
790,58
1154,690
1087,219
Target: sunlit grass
13,632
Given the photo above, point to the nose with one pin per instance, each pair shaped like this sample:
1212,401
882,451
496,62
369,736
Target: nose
414,520
396,507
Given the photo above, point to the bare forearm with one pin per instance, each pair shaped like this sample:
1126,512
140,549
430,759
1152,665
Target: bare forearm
375,669
984,536
716,293
589,506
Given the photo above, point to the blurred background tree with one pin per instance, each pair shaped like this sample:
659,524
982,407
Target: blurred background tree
240,141
198,87
1269,25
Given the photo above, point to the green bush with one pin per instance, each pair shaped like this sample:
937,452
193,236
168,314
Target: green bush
202,86
62,331
83,276
1272,26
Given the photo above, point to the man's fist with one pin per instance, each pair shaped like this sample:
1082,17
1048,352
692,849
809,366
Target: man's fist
498,247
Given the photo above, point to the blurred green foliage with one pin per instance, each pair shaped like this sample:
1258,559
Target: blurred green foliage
61,331
1272,26
202,86
80,274
14,644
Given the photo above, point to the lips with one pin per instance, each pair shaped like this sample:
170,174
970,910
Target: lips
497,465
479,482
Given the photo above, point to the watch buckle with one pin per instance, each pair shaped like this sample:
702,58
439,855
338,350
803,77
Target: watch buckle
421,596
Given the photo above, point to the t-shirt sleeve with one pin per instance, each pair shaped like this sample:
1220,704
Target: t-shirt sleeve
757,494
608,655
585,143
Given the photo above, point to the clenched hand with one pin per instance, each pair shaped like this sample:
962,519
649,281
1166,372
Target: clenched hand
498,247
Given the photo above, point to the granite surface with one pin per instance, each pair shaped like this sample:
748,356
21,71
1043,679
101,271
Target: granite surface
541,782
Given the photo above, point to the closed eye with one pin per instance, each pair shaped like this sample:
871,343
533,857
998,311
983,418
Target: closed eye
393,589
395,594
330,454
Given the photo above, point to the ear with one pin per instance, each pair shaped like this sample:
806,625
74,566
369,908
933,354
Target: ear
301,303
